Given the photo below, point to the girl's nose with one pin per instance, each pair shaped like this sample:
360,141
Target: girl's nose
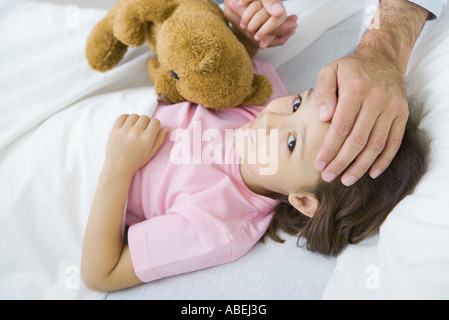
273,120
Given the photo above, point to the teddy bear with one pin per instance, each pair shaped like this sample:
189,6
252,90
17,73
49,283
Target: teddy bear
198,57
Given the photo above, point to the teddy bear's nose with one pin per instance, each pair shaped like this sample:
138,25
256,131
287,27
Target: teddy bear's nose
164,99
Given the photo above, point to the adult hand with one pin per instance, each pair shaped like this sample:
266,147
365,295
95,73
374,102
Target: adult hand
261,29
273,7
368,120
365,97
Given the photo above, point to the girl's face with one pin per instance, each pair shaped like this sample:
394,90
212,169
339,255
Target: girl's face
278,148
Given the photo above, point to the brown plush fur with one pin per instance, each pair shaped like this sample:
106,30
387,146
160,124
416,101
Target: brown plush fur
192,41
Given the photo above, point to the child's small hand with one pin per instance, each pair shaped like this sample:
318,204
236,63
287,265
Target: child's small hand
133,142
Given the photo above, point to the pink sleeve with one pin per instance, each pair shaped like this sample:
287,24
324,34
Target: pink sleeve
202,230
173,244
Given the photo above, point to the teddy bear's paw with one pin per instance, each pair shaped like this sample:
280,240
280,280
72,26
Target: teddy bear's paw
261,91
103,50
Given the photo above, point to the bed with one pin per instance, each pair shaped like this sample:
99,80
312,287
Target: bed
56,115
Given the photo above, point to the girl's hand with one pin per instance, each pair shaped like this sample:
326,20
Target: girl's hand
133,142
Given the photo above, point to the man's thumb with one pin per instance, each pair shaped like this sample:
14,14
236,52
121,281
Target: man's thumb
325,92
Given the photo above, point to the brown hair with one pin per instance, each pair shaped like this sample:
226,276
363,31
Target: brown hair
348,215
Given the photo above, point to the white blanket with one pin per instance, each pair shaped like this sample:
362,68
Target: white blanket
55,118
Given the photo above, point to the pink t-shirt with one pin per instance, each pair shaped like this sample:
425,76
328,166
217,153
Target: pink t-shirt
188,208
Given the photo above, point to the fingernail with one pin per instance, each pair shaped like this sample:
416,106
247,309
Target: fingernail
277,8
257,38
348,180
323,111
376,173
328,177
242,26
320,166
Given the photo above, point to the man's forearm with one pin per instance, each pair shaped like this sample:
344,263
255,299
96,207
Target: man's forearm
397,25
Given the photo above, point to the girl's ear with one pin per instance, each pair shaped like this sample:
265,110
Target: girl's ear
306,203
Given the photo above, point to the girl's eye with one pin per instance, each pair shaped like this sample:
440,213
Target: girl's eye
297,103
291,142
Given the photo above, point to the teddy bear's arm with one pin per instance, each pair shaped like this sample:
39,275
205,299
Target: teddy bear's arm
134,19
261,91
126,24
103,50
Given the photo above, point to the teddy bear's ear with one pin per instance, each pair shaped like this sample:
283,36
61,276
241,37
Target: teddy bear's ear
206,50
261,91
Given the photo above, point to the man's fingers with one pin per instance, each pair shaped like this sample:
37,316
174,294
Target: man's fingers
233,17
366,138
285,28
382,145
268,27
340,128
280,40
266,42
374,145
393,144
325,92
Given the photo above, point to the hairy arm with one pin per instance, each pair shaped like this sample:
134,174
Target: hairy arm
394,31
364,95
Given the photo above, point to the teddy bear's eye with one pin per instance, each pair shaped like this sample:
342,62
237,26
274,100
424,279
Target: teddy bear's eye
174,75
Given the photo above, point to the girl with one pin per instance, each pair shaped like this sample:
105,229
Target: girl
188,215
222,180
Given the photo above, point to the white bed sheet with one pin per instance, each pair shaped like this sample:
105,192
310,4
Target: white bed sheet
55,118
